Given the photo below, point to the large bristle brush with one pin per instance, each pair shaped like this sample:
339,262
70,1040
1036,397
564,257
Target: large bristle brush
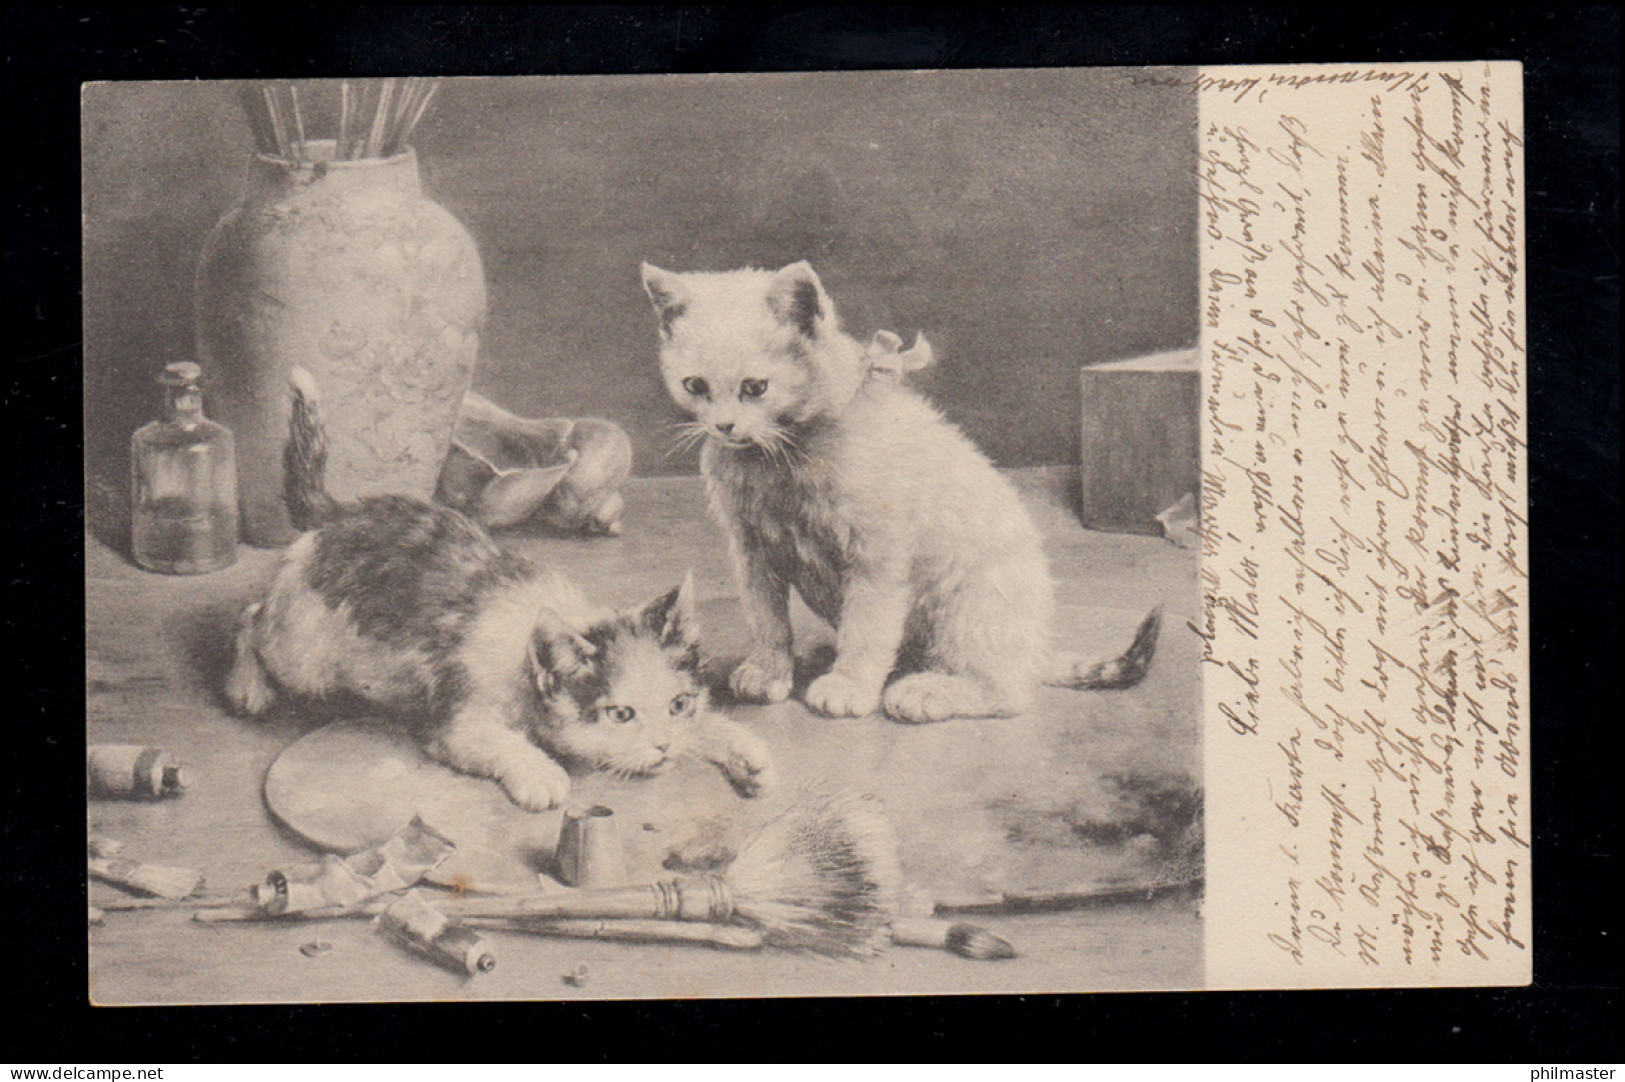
822,877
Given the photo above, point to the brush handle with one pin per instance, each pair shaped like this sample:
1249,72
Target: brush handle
691,898
631,931
965,940
254,914
920,932
1080,897
126,905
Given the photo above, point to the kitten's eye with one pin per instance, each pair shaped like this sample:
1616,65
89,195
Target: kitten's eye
752,388
681,704
620,714
696,386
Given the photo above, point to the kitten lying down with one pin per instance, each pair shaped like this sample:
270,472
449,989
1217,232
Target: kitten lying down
508,670
832,477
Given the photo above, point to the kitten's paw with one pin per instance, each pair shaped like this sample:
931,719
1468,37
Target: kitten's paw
929,696
247,690
536,786
747,764
838,695
763,678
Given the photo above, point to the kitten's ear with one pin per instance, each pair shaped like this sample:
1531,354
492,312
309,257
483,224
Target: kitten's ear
797,298
671,615
557,650
668,293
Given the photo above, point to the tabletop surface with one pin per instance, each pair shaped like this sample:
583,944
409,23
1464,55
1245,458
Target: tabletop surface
980,806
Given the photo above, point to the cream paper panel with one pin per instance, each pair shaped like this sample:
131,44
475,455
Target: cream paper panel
1364,562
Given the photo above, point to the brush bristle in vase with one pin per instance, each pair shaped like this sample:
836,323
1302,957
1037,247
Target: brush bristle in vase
370,119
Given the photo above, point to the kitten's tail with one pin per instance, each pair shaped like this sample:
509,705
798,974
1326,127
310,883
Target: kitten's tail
304,458
1120,672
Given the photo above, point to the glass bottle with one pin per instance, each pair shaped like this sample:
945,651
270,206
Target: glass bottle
184,484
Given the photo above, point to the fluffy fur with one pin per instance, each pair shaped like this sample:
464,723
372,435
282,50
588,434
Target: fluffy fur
834,478
507,669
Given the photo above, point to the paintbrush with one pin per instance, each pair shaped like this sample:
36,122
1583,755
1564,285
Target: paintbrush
822,877
1080,897
254,914
278,130
729,936
380,117
341,149
259,123
130,905
411,121
298,122
965,940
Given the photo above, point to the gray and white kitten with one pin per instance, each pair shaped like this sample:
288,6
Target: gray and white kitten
505,668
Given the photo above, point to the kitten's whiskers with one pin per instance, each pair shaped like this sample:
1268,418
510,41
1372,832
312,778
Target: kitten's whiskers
779,445
686,435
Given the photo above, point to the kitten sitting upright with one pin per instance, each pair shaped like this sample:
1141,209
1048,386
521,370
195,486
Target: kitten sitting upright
852,489
505,666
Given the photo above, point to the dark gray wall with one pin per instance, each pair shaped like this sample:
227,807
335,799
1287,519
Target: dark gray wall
1028,221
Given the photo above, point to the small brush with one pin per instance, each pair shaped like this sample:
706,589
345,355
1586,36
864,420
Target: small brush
398,115
380,117
966,940
259,124
411,124
341,149
278,129
131,905
298,122
1085,896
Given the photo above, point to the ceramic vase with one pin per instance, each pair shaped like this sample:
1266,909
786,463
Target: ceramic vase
346,269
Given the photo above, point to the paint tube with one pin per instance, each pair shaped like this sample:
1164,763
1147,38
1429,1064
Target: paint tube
417,925
400,862
133,770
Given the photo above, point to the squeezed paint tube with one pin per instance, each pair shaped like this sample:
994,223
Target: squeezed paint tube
417,925
400,862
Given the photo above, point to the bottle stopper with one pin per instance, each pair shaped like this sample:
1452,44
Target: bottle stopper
181,374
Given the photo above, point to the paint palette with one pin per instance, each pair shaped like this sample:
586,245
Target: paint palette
352,784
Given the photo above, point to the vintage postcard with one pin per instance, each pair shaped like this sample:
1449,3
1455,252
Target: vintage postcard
809,534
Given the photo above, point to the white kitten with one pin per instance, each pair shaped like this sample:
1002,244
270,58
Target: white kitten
848,486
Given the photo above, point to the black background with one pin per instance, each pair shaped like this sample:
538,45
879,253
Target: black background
1572,162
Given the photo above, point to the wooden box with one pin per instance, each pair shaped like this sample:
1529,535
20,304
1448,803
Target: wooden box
1140,453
